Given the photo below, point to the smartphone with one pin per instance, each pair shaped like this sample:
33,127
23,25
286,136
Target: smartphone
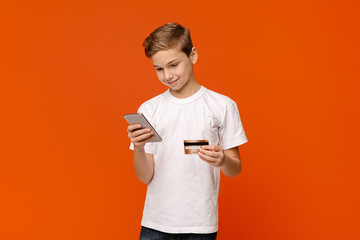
139,118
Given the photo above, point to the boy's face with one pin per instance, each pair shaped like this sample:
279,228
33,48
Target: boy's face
174,68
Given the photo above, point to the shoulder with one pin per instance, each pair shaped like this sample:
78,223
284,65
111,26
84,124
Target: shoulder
218,99
149,107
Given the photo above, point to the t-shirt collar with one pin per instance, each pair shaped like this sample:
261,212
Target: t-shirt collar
190,99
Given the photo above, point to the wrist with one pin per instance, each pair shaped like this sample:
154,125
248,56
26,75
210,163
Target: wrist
139,148
223,160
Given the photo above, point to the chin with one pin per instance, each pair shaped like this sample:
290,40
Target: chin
176,88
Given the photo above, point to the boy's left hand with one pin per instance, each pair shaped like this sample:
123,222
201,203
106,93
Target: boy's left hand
213,155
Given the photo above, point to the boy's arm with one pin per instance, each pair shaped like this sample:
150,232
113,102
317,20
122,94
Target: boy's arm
232,162
143,162
228,160
144,165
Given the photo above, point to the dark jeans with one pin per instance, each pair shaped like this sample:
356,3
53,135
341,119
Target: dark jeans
151,234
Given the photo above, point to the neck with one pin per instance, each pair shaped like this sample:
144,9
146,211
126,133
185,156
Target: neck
187,90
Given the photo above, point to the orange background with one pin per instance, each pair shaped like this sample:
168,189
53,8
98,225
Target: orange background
70,69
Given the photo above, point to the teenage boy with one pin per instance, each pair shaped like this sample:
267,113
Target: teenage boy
182,192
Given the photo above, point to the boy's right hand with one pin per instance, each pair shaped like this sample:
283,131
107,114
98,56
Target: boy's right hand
139,136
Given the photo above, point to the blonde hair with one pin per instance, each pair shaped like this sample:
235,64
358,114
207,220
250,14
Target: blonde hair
168,36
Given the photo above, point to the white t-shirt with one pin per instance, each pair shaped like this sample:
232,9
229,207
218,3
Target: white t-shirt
182,197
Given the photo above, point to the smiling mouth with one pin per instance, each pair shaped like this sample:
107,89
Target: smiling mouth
172,82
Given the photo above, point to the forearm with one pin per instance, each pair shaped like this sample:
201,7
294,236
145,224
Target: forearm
144,167
232,166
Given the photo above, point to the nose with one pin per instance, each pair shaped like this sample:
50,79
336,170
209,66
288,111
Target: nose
168,74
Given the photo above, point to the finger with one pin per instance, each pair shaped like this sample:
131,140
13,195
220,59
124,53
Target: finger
216,148
140,132
211,152
145,140
207,147
142,137
210,160
207,158
133,127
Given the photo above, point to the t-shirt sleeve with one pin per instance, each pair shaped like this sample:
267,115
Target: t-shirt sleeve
149,147
231,131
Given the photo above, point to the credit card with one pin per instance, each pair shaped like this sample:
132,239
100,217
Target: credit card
193,146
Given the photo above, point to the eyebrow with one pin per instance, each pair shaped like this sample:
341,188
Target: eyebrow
168,62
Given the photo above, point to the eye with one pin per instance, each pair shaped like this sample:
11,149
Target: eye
174,65
158,69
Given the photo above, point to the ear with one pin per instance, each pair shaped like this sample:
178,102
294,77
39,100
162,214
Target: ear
193,55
